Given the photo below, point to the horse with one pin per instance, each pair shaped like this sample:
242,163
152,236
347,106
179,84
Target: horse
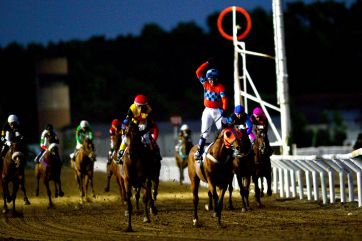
243,168
49,168
83,167
13,172
262,164
137,164
215,169
181,154
115,169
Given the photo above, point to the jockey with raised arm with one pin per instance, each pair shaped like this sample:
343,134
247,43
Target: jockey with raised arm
141,114
215,102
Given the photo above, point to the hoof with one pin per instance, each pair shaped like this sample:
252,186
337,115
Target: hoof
195,223
262,194
106,189
5,211
126,213
214,215
207,207
61,194
129,229
269,193
146,220
26,201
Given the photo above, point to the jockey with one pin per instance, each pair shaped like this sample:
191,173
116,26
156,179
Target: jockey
10,133
82,131
140,113
48,136
241,120
215,102
115,134
258,118
185,133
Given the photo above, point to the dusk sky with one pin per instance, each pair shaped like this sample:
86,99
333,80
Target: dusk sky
41,21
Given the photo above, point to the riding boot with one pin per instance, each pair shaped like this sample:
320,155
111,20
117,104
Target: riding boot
110,155
200,150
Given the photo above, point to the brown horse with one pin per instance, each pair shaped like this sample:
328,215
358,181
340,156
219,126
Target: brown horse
115,169
137,164
215,169
262,164
181,153
83,167
13,172
49,169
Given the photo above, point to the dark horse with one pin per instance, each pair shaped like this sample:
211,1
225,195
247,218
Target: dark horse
243,168
138,172
181,155
215,169
49,169
13,172
262,163
84,167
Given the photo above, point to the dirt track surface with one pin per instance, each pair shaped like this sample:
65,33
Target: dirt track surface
103,218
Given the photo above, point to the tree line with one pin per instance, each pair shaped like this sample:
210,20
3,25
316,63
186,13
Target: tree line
322,46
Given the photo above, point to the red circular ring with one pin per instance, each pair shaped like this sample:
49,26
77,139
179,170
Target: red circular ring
221,17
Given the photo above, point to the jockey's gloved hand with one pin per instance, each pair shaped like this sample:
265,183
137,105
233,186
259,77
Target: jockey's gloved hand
223,113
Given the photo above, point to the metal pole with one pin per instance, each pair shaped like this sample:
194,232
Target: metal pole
237,99
282,76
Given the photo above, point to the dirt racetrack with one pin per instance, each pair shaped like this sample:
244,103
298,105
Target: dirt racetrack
103,218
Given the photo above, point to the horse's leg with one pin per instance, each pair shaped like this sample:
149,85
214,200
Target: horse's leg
137,198
5,194
215,197
49,193
220,204
59,183
147,201
195,182
209,206
257,190
109,176
268,177
128,212
231,207
22,187
181,170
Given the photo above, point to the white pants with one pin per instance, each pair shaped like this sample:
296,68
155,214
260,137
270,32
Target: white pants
209,117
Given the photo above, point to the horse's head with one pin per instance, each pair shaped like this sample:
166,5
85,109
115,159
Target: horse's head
88,147
53,148
232,140
16,154
260,143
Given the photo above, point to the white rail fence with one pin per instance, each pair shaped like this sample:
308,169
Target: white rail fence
315,177
326,178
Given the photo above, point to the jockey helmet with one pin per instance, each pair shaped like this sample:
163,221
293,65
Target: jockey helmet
84,124
258,112
239,109
13,119
140,100
116,123
184,127
49,127
212,73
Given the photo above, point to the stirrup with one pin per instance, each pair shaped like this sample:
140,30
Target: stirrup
198,156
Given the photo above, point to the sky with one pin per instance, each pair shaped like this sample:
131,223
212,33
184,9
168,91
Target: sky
42,21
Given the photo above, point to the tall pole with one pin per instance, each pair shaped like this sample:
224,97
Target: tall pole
282,75
237,98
